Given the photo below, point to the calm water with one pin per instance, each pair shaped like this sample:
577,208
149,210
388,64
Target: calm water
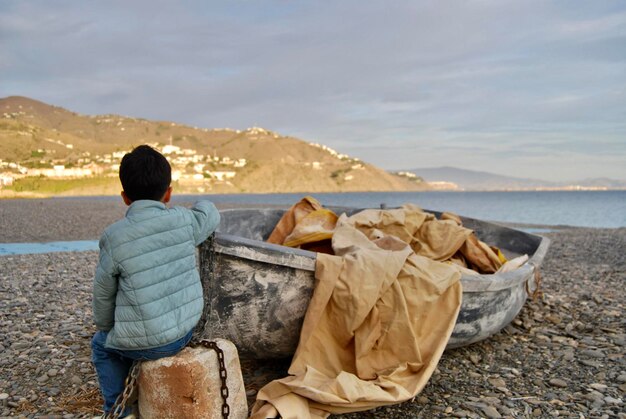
50,247
573,208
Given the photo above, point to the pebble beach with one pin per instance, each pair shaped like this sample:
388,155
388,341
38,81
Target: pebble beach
563,356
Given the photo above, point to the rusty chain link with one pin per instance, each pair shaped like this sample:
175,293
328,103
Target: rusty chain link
223,373
129,388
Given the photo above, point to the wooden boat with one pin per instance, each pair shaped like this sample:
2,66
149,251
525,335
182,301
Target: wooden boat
256,293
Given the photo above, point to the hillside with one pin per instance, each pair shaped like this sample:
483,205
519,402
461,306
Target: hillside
35,137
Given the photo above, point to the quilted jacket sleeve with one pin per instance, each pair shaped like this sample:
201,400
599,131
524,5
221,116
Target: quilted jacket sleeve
205,219
104,288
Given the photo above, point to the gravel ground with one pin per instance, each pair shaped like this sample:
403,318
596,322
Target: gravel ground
563,356
44,220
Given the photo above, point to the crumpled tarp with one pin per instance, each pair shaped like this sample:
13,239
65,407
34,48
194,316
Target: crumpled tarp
379,319
308,225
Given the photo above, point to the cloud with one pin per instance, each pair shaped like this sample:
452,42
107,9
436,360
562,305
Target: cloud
391,83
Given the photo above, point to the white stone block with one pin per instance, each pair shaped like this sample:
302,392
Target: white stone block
188,385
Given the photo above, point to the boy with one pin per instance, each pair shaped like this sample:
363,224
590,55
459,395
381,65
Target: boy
147,296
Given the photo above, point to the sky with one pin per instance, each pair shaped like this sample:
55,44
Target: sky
533,89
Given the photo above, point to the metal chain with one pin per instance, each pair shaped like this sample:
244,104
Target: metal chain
209,256
129,387
223,374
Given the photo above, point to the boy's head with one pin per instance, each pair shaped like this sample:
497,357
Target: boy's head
145,174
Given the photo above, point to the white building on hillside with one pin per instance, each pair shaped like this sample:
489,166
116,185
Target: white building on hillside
170,149
59,172
6,179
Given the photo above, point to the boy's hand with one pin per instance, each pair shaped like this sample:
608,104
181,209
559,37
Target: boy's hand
205,220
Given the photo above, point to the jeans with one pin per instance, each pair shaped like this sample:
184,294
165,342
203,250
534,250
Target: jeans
113,365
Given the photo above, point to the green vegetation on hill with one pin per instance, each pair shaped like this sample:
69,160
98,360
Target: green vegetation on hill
47,186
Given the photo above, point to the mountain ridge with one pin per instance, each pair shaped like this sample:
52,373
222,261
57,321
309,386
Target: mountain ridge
466,179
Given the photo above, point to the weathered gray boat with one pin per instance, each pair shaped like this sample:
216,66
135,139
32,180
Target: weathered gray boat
256,293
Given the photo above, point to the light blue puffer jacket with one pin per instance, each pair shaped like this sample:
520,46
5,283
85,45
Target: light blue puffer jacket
147,290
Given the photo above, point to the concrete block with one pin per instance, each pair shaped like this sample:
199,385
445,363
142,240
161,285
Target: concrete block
188,385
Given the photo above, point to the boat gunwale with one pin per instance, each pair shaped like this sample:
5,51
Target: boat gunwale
259,251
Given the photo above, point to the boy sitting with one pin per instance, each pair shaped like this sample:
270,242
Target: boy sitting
147,296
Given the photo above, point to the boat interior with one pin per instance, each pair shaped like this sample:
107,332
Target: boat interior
257,224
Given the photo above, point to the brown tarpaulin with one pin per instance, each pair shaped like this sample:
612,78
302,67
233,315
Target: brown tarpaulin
379,318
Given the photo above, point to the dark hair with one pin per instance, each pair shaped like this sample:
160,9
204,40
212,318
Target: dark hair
145,174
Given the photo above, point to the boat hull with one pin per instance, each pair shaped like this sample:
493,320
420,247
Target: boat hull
256,293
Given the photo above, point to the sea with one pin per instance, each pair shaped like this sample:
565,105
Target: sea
600,209
535,212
